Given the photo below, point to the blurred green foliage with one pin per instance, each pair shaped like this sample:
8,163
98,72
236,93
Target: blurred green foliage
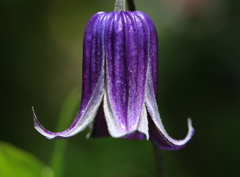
16,162
199,77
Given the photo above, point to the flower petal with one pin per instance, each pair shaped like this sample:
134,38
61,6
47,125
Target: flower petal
157,132
126,62
142,127
167,143
152,45
93,80
99,127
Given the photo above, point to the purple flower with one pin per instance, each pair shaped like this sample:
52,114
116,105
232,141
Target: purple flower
120,55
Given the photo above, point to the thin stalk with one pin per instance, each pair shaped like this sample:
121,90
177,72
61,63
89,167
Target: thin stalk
159,161
119,5
131,5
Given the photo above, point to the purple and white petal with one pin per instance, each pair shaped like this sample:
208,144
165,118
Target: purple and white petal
93,81
157,132
126,61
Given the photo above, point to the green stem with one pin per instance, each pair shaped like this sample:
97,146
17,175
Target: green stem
159,161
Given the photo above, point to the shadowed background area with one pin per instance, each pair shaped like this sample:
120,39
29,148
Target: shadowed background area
199,77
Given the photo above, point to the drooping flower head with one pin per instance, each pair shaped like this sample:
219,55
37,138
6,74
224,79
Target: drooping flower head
119,83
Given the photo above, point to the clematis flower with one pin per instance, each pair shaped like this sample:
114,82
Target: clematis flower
119,83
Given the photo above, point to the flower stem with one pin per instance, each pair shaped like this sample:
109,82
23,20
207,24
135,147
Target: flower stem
159,161
119,5
131,5
67,112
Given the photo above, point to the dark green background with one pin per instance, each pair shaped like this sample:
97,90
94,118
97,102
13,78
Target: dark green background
199,77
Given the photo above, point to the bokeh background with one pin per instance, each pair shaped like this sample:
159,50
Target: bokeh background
199,77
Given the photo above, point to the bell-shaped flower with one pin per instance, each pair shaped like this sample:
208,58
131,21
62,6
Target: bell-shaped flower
119,83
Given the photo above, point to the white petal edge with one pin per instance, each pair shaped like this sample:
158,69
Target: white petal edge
143,122
114,128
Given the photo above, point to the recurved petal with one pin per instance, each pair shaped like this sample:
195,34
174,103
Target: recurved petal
93,80
157,132
164,141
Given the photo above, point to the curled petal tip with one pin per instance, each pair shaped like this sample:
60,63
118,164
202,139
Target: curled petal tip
160,137
190,127
46,133
191,130
34,116
40,128
181,143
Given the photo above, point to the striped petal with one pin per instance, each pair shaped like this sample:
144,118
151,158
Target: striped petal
93,80
126,64
157,132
